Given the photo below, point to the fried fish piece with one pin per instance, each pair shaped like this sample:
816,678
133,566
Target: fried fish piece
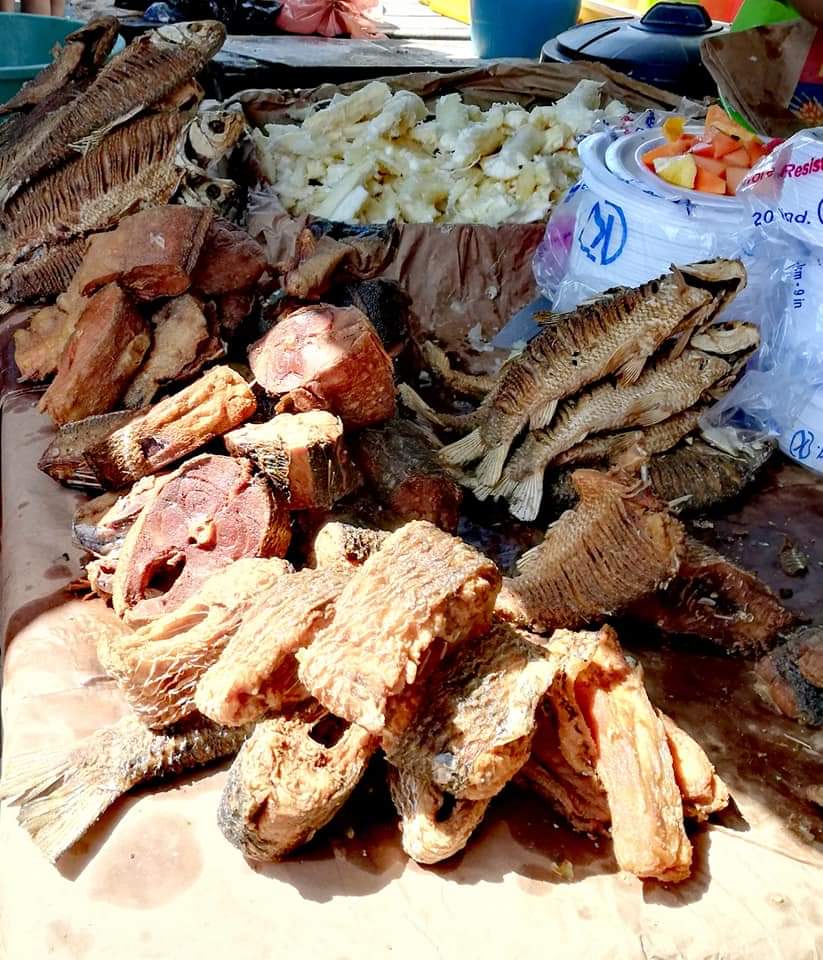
339,542
703,792
635,766
62,793
666,387
711,597
616,334
472,731
148,69
617,545
434,827
257,671
423,592
290,779
158,667
790,677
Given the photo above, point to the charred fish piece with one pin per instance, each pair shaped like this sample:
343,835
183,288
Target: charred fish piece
616,546
61,794
614,335
290,779
132,167
64,459
81,53
473,728
790,677
714,599
149,68
159,666
665,388
339,542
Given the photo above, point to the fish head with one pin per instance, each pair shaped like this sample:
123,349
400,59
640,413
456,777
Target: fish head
214,132
726,339
207,36
728,274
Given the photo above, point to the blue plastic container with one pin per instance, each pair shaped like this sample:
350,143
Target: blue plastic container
26,41
519,28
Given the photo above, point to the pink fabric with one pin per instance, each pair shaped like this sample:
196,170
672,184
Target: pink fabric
328,18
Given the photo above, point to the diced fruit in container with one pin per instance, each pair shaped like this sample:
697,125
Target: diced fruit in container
723,144
667,150
718,118
708,182
756,151
734,177
679,171
716,167
703,148
737,158
673,129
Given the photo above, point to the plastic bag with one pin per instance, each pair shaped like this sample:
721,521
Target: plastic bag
781,393
240,16
329,18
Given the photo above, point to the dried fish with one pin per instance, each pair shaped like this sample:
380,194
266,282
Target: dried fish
790,677
63,793
713,598
44,275
338,542
132,167
464,383
289,780
703,792
149,68
616,334
616,546
209,138
793,560
665,388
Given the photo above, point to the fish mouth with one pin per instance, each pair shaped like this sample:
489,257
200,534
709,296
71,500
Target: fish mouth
716,276
184,34
727,339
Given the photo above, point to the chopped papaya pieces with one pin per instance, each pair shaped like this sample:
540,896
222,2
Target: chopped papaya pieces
716,162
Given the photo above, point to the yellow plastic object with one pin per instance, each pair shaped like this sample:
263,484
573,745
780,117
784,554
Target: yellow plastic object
456,9
679,171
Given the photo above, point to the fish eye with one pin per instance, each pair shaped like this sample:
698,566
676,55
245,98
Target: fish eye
217,126
212,191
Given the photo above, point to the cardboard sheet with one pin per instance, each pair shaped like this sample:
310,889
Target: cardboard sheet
155,879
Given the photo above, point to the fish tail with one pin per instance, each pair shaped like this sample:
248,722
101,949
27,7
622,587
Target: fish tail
490,468
59,800
465,450
525,498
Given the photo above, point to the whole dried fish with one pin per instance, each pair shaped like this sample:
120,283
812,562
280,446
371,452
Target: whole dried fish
665,388
616,546
132,167
713,598
44,275
464,383
289,780
616,334
149,68
61,794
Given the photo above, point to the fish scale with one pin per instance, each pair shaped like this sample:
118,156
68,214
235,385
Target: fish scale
667,388
617,335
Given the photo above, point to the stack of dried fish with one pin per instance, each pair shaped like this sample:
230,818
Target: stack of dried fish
286,583
89,140
647,358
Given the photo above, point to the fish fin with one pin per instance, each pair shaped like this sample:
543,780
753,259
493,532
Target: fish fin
649,410
541,416
630,369
525,499
411,399
527,562
490,468
465,450
96,137
60,800
481,491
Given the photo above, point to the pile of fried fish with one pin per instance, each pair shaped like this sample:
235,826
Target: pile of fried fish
278,546
93,137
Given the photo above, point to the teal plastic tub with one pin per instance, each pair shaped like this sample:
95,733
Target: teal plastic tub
27,41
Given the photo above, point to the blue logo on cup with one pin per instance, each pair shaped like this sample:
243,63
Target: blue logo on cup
604,234
800,446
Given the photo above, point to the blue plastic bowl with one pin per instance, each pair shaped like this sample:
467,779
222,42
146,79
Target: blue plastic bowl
27,41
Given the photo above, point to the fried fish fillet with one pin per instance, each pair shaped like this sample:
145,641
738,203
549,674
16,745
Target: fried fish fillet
711,597
290,778
423,592
159,666
703,792
63,793
257,671
616,334
667,387
616,546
